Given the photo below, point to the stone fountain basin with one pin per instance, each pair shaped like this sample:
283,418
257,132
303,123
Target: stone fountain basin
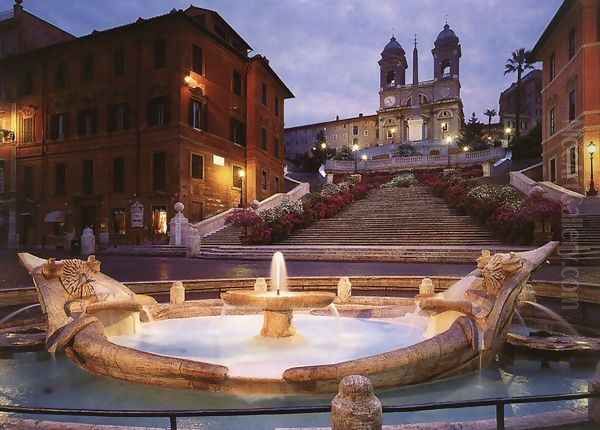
285,301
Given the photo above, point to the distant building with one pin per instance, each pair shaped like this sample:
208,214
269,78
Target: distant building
112,128
570,49
530,103
427,115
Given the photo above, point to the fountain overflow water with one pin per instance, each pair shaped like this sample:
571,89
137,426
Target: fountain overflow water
10,316
554,316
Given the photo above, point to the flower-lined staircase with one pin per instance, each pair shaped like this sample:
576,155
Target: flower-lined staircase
393,224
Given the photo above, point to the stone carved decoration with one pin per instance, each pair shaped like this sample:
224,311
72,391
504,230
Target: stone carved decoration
177,293
344,289
356,407
426,289
495,269
76,277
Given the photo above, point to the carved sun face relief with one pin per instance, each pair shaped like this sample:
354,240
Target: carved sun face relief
77,279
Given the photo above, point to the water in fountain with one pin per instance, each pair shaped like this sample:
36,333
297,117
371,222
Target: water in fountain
17,312
334,310
554,316
278,273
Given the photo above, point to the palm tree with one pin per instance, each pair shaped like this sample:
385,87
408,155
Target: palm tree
490,113
519,62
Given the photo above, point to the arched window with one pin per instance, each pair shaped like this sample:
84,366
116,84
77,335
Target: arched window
423,99
409,101
390,78
446,69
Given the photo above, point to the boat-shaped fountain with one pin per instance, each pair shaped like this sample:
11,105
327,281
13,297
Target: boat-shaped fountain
277,341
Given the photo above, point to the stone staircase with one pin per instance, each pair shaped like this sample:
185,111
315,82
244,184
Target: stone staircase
580,243
394,224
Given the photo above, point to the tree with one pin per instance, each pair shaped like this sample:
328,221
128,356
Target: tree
490,113
471,135
519,62
528,147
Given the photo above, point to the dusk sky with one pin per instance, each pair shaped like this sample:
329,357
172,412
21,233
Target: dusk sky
327,50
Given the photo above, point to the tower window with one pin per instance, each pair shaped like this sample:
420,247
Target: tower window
160,53
552,67
572,107
390,78
571,43
446,70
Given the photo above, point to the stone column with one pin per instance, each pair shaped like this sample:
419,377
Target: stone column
594,404
178,226
356,407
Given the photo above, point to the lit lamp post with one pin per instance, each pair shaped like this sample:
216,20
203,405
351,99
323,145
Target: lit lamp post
242,174
508,132
448,141
355,152
592,150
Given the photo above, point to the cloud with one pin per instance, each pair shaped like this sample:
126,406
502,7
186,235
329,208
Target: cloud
327,51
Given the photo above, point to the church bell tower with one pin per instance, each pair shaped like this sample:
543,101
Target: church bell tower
392,65
446,55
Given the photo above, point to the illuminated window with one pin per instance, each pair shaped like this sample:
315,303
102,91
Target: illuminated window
218,160
159,220
197,60
28,129
237,178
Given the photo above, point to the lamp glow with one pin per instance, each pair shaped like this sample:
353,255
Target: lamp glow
591,148
241,173
508,130
354,147
364,157
323,145
448,140
465,148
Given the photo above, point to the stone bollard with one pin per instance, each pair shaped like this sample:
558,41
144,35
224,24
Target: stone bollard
344,289
356,407
88,242
260,286
594,403
177,293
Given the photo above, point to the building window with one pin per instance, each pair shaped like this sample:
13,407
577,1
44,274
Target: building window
197,166
552,66
390,133
276,184
157,112
197,115
87,68
119,175
355,130
552,121
60,77
119,62
572,43
238,132
366,133
28,181
28,124
573,161
159,171
354,141
276,102
88,176
263,139
60,179
390,77
335,137
264,180
58,124
197,60
26,84
552,169
237,178
160,53
87,122
444,127
236,82
572,107
119,221
276,148
118,118
263,96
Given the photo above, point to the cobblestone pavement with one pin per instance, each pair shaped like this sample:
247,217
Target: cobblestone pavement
128,268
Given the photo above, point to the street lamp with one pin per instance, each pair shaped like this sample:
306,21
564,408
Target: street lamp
465,148
592,150
242,175
355,152
508,132
323,146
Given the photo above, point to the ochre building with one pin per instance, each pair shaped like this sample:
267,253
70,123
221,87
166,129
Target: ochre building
112,128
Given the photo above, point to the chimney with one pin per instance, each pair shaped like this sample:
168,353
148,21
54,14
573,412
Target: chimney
415,64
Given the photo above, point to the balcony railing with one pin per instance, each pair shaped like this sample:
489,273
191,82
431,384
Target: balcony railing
416,161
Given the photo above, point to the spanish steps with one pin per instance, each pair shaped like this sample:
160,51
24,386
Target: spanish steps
411,220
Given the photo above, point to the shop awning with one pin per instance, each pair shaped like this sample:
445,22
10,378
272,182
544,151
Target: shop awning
55,216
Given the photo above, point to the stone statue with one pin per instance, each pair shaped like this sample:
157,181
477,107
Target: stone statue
260,286
344,289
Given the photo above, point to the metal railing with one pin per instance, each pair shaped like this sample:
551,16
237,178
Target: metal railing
173,415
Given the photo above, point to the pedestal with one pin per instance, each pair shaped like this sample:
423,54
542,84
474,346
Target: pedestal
278,324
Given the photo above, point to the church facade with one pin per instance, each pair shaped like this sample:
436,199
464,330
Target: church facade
426,115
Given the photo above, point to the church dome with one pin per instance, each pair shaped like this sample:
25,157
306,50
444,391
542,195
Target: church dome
393,48
446,35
